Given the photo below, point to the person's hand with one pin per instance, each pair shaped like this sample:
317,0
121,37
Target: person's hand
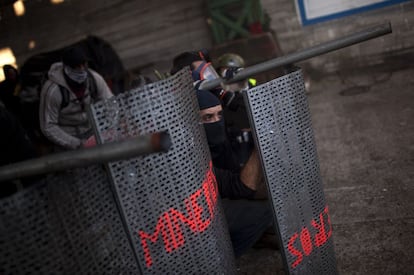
90,142
230,72
251,174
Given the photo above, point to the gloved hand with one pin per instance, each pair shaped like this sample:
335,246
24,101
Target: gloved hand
242,139
226,97
230,72
90,142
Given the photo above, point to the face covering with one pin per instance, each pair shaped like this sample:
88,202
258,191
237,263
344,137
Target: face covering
216,137
216,134
79,76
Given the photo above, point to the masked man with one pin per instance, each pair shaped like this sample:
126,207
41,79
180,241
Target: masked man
247,219
70,88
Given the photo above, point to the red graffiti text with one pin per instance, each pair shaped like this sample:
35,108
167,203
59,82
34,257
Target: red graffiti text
302,244
169,223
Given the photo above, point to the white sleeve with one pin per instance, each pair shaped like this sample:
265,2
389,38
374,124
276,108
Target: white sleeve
50,104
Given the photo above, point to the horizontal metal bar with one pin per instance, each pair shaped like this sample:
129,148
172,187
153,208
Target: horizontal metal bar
103,153
323,48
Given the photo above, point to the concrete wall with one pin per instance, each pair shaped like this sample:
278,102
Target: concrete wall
148,34
292,36
144,33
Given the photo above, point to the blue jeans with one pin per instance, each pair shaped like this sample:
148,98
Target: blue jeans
247,220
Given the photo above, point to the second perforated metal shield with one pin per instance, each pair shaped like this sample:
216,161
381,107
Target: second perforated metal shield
67,223
280,117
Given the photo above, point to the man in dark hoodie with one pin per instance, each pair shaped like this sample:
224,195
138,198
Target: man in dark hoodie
247,219
8,90
70,87
238,180
15,146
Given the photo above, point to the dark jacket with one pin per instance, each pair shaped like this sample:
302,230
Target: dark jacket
230,186
15,146
227,167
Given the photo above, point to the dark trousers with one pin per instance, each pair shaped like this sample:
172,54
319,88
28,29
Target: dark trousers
247,221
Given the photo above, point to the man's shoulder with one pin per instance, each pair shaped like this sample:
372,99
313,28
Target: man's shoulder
51,92
50,87
54,77
95,74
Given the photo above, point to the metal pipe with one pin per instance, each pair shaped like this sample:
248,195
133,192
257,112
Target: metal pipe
108,152
323,48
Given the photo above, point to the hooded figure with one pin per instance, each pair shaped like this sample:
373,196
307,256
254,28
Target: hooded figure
247,219
63,99
211,115
8,90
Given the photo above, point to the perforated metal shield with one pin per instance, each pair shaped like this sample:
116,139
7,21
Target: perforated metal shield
169,200
279,114
67,224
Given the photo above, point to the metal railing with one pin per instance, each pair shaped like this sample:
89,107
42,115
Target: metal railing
102,153
289,59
